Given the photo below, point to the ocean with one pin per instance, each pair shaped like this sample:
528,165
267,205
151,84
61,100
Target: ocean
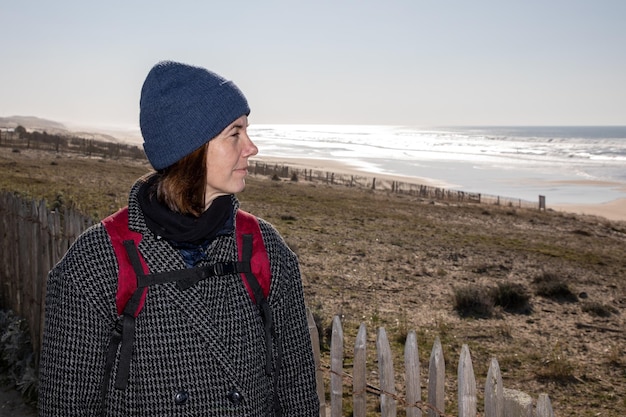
567,165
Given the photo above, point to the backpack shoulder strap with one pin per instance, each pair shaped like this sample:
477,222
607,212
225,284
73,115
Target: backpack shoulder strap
257,280
117,227
247,224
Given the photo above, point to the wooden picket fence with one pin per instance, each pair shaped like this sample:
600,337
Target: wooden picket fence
498,401
286,172
34,238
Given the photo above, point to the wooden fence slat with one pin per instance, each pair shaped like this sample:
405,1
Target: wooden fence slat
412,370
319,375
494,394
336,368
466,385
45,266
544,406
359,374
21,247
388,406
14,250
517,404
5,254
57,236
436,379
34,275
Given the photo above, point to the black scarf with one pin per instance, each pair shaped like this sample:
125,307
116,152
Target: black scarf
182,228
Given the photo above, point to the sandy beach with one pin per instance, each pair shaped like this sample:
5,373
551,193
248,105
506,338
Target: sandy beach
613,210
341,167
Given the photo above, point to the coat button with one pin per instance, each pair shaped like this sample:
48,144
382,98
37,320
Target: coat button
235,397
181,397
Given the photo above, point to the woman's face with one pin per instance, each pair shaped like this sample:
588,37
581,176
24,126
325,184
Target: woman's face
227,160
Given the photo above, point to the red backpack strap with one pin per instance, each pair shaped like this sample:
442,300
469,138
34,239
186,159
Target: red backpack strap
117,227
250,246
248,224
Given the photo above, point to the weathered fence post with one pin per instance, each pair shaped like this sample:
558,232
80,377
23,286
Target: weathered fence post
336,368
21,247
494,394
359,374
436,379
542,202
385,371
544,406
319,376
517,404
412,369
46,261
466,385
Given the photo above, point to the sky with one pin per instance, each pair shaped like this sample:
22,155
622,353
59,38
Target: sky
411,62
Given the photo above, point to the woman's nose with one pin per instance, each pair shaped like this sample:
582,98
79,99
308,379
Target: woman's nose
250,149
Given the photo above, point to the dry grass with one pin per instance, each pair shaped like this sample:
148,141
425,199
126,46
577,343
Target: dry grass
395,261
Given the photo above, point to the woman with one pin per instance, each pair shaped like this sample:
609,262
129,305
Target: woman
202,351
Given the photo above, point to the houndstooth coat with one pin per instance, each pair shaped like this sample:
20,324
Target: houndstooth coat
197,352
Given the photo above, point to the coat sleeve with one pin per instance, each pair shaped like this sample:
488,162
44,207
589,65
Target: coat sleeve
77,328
297,389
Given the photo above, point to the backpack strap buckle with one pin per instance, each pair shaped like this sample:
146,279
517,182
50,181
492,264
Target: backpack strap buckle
218,269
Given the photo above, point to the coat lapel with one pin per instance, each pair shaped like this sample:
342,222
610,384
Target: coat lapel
191,302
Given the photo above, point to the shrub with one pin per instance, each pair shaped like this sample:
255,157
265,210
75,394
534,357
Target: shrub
512,298
17,360
324,332
473,301
551,286
58,203
598,309
557,368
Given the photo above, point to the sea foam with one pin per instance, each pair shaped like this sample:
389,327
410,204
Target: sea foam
568,165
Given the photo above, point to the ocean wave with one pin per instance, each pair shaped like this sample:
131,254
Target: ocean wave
481,153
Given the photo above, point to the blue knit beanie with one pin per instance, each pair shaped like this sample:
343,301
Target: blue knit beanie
182,107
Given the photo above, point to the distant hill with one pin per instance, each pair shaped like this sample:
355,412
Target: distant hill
32,123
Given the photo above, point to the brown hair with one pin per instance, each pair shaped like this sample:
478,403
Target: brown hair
181,186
